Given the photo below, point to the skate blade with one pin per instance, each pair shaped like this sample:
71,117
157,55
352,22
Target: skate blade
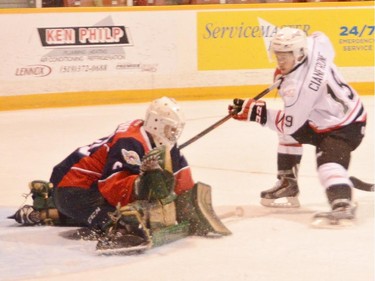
327,223
128,251
285,202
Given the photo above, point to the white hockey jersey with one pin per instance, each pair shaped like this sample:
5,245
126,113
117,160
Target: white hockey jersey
315,92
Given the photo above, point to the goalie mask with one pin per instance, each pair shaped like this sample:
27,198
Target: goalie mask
164,121
290,40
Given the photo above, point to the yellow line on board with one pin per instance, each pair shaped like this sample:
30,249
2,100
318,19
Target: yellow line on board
135,96
267,6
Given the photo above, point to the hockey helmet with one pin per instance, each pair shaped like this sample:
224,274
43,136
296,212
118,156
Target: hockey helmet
289,39
164,121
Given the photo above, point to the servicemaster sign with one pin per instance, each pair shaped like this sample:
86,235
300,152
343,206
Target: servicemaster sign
240,39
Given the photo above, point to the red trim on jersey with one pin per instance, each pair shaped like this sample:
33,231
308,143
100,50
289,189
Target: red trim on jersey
343,123
279,121
291,144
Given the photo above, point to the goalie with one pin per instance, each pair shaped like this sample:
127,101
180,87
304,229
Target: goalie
133,188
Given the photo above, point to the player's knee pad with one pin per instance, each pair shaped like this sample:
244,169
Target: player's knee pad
331,174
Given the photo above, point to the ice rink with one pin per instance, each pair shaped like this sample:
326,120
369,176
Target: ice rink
237,159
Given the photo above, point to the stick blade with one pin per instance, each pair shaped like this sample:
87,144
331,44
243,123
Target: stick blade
358,184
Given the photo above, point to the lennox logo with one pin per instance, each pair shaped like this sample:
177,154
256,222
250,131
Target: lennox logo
83,36
38,70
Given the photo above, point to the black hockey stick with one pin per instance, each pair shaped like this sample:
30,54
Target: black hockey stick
229,116
358,184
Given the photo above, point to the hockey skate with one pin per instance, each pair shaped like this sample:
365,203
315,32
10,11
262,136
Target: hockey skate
283,195
27,216
342,215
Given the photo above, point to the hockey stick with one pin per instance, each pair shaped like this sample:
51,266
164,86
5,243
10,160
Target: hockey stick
358,184
229,116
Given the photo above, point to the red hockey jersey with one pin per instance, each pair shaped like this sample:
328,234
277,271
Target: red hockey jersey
113,163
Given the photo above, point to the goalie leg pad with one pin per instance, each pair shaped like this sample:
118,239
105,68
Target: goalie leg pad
43,210
43,201
161,216
195,206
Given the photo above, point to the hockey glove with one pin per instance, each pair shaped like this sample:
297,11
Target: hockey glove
249,110
154,182
236,107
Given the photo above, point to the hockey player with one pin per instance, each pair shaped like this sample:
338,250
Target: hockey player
127,186
320,109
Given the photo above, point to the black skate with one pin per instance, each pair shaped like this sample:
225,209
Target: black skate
342,215
283,195
27,216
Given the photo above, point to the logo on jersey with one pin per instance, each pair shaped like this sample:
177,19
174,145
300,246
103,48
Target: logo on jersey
289,88
131,157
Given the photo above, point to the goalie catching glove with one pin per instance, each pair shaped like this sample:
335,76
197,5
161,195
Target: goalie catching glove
155,182
249,110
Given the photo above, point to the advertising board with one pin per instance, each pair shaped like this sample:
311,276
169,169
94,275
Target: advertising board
101,55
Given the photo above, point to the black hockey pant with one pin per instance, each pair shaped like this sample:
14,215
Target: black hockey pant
86,207
335,146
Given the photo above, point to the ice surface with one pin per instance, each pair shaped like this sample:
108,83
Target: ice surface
237,159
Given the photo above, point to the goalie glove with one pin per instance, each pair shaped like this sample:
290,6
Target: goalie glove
155,182
249,110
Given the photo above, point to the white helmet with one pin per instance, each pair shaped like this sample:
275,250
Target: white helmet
289,39
164,121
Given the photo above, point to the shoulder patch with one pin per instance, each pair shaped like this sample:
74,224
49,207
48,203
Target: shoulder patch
289,92
131,157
